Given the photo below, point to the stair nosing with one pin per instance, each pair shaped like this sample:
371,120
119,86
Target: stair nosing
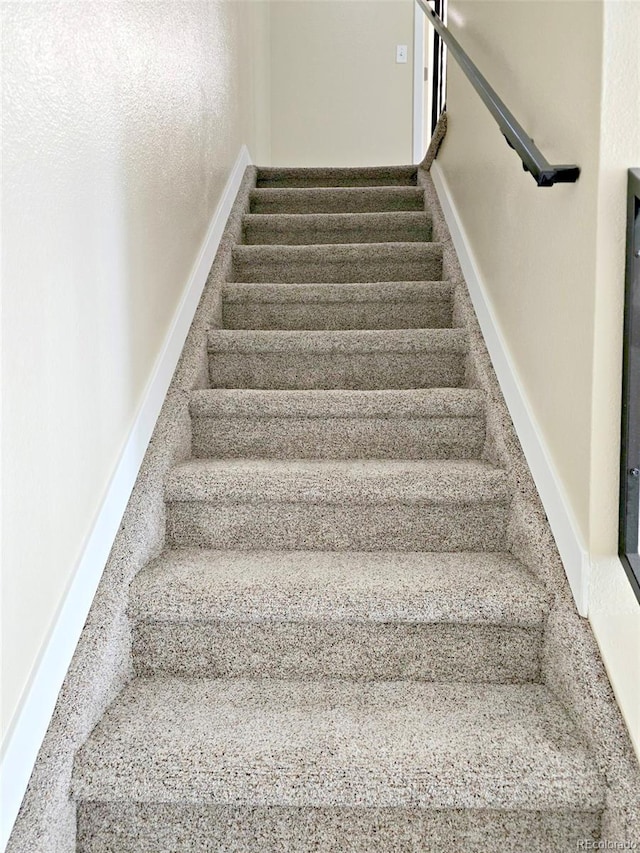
464,588
396,246
394,189
398,174
346,341
366,215
337,403
309,743
335,482
318,293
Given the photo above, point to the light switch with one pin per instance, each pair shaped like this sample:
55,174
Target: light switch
401,53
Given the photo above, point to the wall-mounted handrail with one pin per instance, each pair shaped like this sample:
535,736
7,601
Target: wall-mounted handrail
544,173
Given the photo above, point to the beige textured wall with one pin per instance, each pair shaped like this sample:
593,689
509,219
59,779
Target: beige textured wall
121,123
535,248
552,260
338,97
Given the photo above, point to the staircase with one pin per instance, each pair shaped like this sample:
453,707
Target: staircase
337,650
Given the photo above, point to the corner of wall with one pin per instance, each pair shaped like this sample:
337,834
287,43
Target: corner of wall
614,615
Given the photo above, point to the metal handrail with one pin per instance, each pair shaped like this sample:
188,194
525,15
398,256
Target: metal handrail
544,173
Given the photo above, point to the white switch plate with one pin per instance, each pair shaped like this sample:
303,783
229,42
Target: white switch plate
401,53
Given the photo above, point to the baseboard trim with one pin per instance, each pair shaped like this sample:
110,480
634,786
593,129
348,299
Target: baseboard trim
574,555
25,735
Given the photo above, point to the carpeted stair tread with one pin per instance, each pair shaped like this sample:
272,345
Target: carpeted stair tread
343,341
464,588
317,510
323,228
359,616
340,262
433,423
337,177
335,743
348,359
336,481
350,305
337,200
413,403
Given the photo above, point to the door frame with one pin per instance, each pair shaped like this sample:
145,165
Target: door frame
419,143
427,111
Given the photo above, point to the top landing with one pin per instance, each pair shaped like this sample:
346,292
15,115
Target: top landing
368,176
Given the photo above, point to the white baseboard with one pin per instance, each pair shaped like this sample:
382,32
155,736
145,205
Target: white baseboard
573,552
23,739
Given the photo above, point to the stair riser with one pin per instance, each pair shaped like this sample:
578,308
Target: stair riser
143,827
291,234
337,315
347,201
358,651
338,438
360,267
363,371
328,527
366,176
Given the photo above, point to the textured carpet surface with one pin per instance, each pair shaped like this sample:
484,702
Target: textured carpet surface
345,643
431,423
337,200
334,615
299,229
450,588
352,305
374,176
131,827
308,743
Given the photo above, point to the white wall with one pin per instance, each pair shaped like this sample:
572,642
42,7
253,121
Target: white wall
552,260
121,123
338,98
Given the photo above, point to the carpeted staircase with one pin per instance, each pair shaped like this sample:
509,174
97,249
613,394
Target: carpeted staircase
337,650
